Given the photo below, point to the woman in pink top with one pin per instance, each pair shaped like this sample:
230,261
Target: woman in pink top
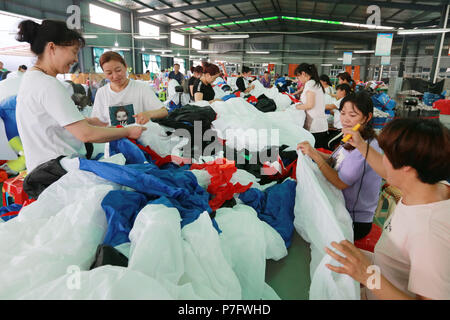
412,257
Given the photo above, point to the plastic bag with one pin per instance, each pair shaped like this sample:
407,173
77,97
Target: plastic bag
320,218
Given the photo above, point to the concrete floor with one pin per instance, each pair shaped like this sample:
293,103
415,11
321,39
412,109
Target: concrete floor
289,277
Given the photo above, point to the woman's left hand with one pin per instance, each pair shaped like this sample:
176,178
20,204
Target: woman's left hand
307,149
354,264
142,117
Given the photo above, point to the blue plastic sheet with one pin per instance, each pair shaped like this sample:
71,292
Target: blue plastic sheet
11,208
275,206
8,115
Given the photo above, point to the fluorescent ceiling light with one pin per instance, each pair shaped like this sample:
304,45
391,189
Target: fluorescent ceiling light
120,49
230,36
326,64
167,55
144,10
149,37
257,52
422,31
364,51
343,59
162,50
90,36
207,51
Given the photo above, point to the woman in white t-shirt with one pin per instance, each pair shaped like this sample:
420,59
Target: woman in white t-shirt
49,123
413,252
136,100
312,98
326,84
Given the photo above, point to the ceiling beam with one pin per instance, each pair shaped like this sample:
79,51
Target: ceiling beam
394,5
190,7
249,17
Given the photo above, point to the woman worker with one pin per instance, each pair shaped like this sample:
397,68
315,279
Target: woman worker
348,170
413,252
49,123
196,74
313,103
202,86
138,96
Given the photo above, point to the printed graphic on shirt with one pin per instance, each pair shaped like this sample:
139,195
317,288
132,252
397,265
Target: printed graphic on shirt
121,115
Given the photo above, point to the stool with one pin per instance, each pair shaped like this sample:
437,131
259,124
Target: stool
368,242
14,188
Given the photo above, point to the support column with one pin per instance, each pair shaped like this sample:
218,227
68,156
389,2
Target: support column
438,45
416,56
283,44
401,68
133,53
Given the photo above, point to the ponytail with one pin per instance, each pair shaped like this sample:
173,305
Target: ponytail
38,35
345,76
311,70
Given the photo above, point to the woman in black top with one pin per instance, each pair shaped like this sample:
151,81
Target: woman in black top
202,86
242,81
196,74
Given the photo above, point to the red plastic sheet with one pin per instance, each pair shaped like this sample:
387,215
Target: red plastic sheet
221,171
160,161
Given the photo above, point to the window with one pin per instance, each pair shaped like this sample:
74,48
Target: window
151,63
177,38
146,29
104,17
196,44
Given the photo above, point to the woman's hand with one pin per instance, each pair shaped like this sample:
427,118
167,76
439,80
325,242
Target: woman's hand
356,140
142,117
307,149
354,264
134,132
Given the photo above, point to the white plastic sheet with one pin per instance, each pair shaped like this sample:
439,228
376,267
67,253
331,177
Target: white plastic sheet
205,265
320,218
9,87
243,126
246,247
282,101
53,233
156,138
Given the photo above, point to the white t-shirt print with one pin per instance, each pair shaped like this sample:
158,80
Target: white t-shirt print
118,108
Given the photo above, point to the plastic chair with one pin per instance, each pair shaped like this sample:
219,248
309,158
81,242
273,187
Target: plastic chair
392,195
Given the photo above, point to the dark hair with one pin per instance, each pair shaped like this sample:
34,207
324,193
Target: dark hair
362,101
311,70
176,64
38,35
245,69
210,68
121,108
345,76
111,55
24,67
266,72
198,69
422,144
326,79
344,87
